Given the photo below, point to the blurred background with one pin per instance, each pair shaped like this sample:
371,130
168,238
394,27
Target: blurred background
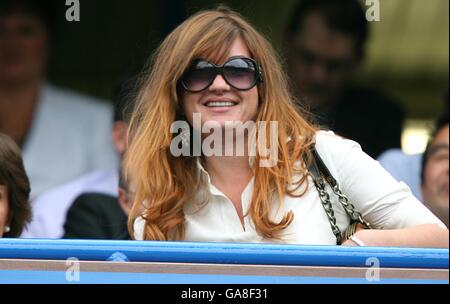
407,53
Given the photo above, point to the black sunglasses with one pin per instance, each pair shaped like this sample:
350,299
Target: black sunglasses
240,73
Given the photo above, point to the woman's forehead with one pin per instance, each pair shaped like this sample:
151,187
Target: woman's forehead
219,54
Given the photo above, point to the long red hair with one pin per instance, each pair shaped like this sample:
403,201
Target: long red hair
164,183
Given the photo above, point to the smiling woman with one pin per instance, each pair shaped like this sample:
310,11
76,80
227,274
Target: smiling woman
214,99
15,210
216,66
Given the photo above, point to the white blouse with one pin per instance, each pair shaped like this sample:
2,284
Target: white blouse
382,201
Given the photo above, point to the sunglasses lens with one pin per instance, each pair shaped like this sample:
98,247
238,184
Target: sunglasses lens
199,76
240,73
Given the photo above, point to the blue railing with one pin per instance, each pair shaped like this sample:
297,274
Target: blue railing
223,253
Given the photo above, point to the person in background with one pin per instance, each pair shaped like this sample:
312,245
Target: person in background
50,209
15,210
324,45
408,168
62,134
435,172
100,216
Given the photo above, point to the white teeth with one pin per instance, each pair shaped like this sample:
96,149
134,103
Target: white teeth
220,104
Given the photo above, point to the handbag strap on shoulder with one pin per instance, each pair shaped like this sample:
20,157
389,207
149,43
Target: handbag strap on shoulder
322,175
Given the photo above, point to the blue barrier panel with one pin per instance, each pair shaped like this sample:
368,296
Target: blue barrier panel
58,277
222,253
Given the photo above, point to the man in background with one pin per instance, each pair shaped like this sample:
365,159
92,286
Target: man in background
103,216
435,172
408,168
324,46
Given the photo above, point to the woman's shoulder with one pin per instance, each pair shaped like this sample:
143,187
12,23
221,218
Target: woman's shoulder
327,142
335,150
327,137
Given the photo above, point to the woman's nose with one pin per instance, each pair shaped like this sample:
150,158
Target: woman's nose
219,84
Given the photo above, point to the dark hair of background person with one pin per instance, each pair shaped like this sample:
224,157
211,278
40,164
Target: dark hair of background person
124,97
440,123
14,177
344,16
44,10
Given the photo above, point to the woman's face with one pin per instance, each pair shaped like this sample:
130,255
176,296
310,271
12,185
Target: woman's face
246,102
4,208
